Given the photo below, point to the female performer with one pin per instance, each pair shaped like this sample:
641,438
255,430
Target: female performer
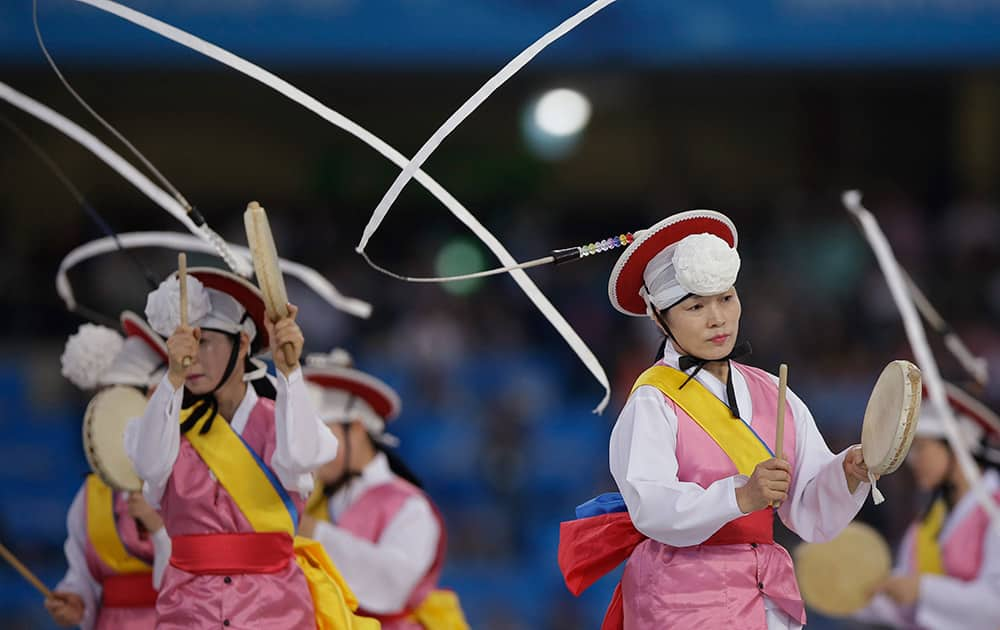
368,510
230,470
693,449
947,574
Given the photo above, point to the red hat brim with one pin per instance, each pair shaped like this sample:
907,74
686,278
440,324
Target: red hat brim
135,326
966,404
380,397
242,291
626,277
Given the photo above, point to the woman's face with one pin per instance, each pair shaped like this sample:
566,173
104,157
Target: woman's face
706,327
213,357
930,461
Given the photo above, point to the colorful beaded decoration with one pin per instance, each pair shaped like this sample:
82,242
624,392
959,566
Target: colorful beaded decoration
622,240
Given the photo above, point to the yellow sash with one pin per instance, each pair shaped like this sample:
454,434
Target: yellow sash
103,531
318,504
441,610
740,443
258,494
928,548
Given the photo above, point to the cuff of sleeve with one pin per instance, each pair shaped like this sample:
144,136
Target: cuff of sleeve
174,396
730,484
291,379
160,537
836,482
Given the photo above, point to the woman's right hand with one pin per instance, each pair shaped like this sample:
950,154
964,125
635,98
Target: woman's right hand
768,485
66,608
183,343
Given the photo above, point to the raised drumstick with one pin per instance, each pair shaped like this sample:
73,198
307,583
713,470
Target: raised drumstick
182,267
25,572
780,435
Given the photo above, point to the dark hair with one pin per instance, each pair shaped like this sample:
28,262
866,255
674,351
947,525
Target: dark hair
396,463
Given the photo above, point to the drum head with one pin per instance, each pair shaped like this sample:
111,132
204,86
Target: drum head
837,578
265,261
104,435
891,417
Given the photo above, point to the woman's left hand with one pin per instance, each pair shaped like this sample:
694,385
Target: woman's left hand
902,589
307,525
855,469
144,513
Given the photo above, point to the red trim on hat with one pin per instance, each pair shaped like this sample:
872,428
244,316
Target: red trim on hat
242,291
965,404
630,277
135,326
385,406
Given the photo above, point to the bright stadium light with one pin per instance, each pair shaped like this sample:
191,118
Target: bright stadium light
562,112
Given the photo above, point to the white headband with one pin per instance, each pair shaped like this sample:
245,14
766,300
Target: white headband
207,308
338,406
134,365
699,264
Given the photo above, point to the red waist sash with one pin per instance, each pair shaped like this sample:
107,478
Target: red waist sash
590,548
227,554
756,527
128,590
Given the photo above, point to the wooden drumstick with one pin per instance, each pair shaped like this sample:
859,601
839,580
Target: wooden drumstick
25,572
779,441
182,268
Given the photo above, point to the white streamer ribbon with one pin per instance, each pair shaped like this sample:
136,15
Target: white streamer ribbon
411,170
184,242
937,393
122,167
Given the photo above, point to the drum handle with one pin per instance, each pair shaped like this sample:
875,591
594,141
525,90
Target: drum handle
780,424
182,281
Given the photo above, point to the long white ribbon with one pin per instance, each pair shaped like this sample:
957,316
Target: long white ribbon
185,242
469,106
921,349
122,167
295,94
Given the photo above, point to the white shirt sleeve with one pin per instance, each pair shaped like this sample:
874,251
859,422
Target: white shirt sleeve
78,579
161,555
152,441
644,464
820,504
946,603
383,574
303,442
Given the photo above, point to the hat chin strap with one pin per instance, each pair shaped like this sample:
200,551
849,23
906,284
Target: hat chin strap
208,404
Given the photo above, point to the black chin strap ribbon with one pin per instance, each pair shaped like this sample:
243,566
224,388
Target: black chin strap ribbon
207,404
687,361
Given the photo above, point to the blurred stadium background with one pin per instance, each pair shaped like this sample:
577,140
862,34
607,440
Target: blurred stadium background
763,110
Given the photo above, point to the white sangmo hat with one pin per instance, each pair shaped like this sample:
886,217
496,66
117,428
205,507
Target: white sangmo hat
690,253
343,394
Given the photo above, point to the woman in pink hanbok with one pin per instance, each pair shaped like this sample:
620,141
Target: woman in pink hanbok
693,455
947,574
117,547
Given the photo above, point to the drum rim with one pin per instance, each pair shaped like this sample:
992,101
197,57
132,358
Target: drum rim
906,426
90,453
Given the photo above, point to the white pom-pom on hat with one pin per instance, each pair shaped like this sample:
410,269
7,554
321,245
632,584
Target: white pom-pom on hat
644,276
705,264
89,353
163,305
